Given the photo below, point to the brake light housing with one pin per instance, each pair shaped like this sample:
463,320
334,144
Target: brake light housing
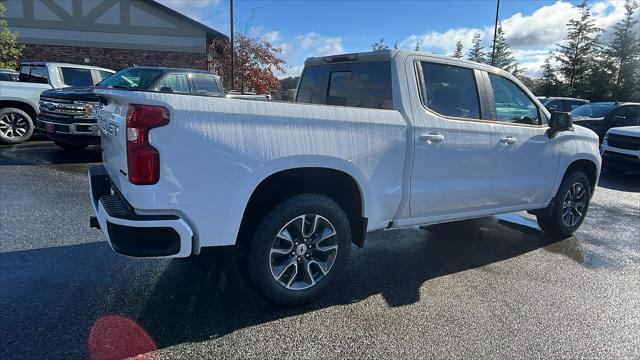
143,160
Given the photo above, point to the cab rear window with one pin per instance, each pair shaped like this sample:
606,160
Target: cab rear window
363,84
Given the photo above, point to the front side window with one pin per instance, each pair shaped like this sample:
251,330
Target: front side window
206,85
451,91
593,110
556,103
104,74
76,76
178,83
363,84
512,104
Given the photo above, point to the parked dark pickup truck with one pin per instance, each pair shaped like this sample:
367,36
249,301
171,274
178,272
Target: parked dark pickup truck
68,115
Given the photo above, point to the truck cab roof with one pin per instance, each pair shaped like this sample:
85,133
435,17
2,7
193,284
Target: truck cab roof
59,64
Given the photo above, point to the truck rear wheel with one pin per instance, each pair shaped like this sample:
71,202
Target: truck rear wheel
569,208
299,249
16,126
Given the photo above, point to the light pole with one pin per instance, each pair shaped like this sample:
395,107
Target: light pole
232,74
495,33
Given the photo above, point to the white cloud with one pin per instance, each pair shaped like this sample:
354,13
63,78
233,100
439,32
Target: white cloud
271,36
312,44
531,36
296,49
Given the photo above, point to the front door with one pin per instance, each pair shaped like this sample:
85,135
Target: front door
526,160
454,158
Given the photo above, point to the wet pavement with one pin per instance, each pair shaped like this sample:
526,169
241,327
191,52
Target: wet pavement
484,288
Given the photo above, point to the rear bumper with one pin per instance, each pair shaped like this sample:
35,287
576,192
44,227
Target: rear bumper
132,234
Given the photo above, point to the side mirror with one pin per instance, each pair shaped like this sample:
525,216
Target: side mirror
552,108
560,121
166,89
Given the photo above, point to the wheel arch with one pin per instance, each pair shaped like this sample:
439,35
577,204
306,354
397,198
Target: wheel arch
24,106
335,183
588,167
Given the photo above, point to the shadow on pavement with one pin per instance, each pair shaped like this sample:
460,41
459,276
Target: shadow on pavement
192,302
52,298
46,153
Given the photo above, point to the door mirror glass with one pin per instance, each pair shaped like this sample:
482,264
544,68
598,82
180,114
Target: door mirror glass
560,121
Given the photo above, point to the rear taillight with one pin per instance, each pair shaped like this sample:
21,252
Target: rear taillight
143,159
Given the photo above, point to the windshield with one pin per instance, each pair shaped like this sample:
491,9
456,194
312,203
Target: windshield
132,78
593,110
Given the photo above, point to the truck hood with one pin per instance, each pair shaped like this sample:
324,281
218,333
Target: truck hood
626,130
76,93
585,132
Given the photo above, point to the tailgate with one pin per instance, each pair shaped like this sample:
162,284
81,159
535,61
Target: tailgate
112,122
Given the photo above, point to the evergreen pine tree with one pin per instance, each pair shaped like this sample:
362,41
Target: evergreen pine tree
458,53
502,57
577,52
475,53
624,50
549,84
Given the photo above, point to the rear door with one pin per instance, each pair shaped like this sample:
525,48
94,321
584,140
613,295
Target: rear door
454,158
526,159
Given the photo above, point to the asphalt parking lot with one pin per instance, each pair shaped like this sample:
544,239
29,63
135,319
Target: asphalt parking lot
485,288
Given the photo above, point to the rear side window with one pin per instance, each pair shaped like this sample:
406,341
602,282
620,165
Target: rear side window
512,104
34,74
206,85
450,91
359,84
76,77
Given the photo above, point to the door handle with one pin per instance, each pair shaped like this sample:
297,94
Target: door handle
509,140
432,137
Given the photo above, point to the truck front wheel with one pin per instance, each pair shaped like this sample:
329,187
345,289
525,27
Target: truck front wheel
299,249
16,126
569,208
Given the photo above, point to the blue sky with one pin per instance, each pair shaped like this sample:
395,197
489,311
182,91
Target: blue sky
316,28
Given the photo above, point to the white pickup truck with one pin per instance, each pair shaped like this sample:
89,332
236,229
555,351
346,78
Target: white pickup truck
19,99
378,140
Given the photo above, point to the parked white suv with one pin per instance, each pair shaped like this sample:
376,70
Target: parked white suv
378,140
19,99
621,149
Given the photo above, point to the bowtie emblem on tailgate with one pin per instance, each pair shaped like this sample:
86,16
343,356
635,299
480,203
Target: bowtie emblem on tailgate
108,127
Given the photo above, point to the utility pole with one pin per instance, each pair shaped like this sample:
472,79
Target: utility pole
495,32
232,73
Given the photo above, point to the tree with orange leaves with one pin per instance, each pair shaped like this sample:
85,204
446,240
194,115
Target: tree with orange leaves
255,62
